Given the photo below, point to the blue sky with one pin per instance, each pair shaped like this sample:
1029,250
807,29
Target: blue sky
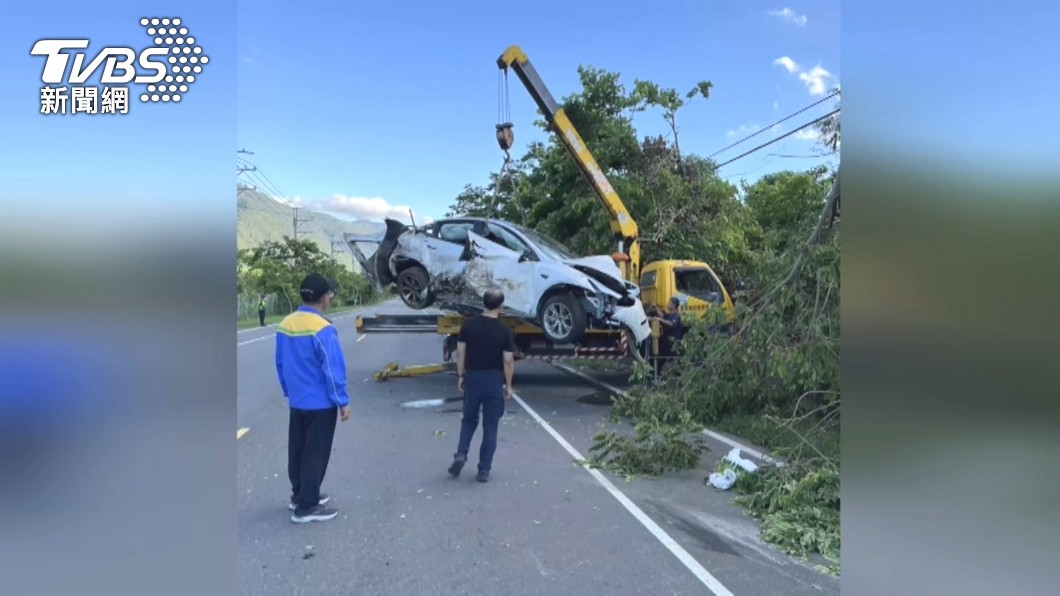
364,109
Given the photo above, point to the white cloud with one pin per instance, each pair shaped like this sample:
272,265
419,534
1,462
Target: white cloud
776,106
807,134
374,208
789,15
787,63
745,129
815,80
295,202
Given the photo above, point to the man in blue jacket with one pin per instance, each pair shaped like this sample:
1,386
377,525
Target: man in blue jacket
312,373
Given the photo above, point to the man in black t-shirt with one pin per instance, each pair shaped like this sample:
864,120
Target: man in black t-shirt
485,363
672,330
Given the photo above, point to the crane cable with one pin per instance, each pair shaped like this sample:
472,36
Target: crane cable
504,126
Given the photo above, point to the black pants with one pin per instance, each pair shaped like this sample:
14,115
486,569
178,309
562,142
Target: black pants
308,452
261,317
483,390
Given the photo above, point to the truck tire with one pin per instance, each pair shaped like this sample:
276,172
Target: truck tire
414,288
563,319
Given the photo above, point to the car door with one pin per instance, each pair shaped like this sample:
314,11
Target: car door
442,256
495,265
376,267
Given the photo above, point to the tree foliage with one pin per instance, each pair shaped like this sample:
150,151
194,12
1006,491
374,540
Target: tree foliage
279,267
683,209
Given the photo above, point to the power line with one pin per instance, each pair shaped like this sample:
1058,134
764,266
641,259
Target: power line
781,137
788,117
255,174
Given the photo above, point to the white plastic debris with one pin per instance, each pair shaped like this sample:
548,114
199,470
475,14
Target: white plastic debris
746,464
722,481
725,479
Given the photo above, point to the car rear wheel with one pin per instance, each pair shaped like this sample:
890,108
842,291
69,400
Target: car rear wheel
563,319
414,287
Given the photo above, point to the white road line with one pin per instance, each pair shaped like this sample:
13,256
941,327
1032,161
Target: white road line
271,336
335,318
731,443
678,551
360,338
255,329
241,432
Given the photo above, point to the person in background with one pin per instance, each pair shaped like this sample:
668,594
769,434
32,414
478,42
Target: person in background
261,310
672,330
312,372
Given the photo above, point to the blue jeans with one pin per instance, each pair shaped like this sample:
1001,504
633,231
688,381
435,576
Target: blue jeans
483,389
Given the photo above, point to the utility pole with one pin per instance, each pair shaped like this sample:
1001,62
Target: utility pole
298,220
335,243
240,170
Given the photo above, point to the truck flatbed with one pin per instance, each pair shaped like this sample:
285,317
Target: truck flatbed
531,343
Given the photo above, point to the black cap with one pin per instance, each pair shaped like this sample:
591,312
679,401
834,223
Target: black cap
315,285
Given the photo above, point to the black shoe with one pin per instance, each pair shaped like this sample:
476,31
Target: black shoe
458,464
318,513
324,498
483,476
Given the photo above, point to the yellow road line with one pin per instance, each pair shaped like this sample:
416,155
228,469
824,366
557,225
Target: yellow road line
241,432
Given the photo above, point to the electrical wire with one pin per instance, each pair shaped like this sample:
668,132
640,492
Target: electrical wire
781,137
788,117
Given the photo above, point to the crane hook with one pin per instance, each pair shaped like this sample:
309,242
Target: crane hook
505,136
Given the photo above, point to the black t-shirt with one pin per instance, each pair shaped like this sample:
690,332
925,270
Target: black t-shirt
673,332
487,339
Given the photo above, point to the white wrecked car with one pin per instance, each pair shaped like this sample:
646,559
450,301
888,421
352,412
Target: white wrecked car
451,263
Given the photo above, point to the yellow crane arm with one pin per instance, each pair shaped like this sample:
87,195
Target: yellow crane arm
622,224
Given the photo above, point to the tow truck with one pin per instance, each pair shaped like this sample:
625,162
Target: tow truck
694,283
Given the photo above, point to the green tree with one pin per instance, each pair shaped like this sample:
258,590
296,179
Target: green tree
683,209
279,267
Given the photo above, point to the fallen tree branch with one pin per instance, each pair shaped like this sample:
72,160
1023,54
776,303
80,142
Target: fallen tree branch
822,221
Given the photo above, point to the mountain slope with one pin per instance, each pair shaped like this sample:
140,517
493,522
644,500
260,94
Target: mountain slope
260,219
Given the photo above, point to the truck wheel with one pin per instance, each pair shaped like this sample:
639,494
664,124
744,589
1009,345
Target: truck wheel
414,287
563,319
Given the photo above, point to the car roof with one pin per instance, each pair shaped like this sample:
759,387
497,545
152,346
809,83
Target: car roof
470,218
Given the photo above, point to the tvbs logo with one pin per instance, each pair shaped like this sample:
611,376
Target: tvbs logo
166,70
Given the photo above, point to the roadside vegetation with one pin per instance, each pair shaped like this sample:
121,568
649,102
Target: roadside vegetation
275,270
774,243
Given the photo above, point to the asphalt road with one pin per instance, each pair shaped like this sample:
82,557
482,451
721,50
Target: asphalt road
542,525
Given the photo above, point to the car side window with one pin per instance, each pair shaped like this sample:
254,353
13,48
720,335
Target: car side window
455,232
648,279
505,238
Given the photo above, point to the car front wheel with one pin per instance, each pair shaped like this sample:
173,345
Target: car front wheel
563,319
413,285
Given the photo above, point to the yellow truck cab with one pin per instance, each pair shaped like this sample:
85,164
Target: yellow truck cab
694,283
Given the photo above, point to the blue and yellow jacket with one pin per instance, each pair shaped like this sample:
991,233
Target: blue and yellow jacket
309,361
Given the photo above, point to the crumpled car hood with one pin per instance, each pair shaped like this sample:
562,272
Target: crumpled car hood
601,265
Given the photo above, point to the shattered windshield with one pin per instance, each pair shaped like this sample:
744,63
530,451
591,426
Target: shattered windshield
552,249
